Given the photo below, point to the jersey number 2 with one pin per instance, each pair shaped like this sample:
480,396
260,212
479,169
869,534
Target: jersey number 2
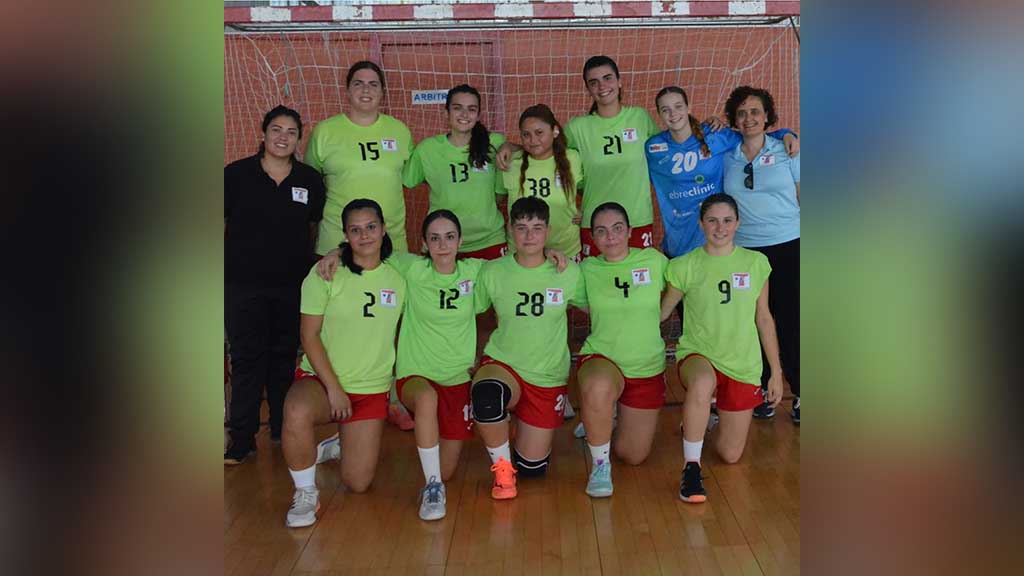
612,141
366,307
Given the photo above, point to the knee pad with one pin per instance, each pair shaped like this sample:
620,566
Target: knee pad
530,468
490,400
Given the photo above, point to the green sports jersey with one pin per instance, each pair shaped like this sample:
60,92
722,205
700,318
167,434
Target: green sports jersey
360,318
612,151
360,162
719,303
625,310
530,304
438,335
542,181
457,185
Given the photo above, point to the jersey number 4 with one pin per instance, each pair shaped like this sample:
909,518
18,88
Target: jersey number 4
370,147
535,301
624,286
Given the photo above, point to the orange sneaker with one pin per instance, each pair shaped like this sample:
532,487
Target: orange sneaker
399,417
504,480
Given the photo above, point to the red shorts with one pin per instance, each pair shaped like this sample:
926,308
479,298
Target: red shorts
538,406
732,395
364,406
489,253
640,393
639,237
453,421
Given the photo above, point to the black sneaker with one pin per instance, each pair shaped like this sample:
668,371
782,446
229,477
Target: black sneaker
764,411
796,410
691,488
232,458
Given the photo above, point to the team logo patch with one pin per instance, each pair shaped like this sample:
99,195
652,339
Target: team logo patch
388,298
553,297
657,147
629,135
480,169
741,280
642,277
300,195
767,159
465,287
389,145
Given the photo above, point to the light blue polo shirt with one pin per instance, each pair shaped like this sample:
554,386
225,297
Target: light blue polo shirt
769,214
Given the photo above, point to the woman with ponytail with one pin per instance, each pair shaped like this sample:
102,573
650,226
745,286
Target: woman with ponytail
547,169
347,329
685,165
459,167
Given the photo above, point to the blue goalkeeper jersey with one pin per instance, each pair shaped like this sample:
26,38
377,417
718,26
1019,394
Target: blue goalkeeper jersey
683,176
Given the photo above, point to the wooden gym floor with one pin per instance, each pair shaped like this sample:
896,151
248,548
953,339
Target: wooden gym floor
749,525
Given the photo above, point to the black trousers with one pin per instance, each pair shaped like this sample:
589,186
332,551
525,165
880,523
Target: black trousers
263,336
784,301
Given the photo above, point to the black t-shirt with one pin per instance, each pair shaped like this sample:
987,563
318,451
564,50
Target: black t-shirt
267,240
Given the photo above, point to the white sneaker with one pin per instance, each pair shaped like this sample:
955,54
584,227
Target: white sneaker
329,449
305,505
569,412
433,499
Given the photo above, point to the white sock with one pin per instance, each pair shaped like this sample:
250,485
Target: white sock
502,451
691,450
304,478
430,459
599,453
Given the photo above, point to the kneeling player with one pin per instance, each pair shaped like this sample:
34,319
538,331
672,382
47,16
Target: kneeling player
526,362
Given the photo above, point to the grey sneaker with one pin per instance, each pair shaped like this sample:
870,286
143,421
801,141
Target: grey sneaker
305,505
433,500
713,417
580,432
329,449
569,412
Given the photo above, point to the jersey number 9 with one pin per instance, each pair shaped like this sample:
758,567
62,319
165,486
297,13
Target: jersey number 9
725,288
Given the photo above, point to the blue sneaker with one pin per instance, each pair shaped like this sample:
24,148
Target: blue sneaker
433,497
600,483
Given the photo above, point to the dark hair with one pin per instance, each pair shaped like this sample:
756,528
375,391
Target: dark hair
597,62
695,127
346,250
544,114
742,93
606,207
480,139
362,65
277,111
529,207
437,215
719,198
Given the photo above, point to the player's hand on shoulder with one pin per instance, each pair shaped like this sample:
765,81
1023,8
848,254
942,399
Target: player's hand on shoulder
328,265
